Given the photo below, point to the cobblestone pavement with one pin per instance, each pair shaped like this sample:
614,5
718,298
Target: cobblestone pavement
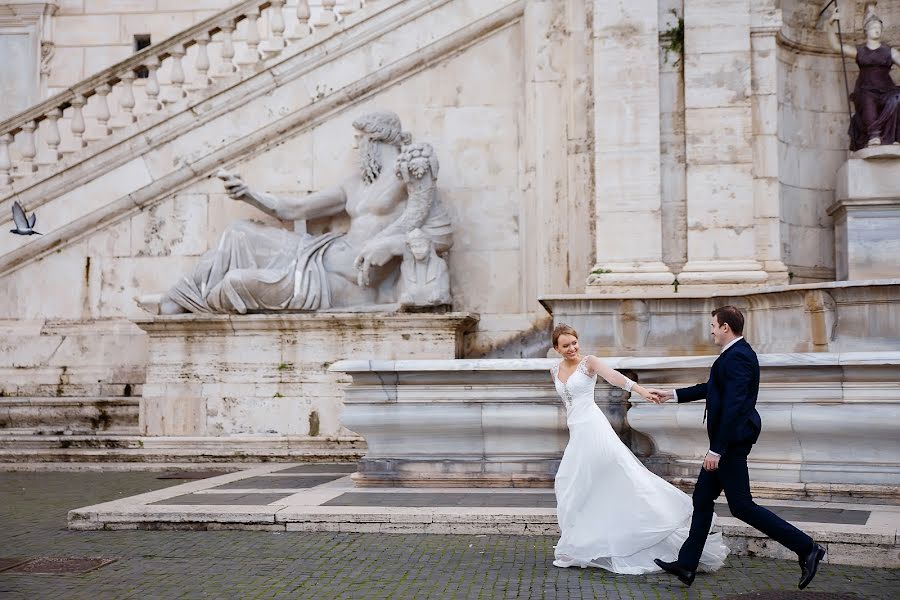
246,564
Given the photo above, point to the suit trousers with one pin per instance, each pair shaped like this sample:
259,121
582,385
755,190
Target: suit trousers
733,478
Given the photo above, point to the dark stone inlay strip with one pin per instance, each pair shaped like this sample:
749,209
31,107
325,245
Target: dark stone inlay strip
453,499
322,468
237,499
264,482
838,516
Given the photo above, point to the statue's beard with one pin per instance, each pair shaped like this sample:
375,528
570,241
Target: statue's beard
370,160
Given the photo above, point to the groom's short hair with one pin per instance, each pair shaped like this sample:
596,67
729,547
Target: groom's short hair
731,315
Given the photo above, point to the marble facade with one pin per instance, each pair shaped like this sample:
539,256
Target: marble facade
622,164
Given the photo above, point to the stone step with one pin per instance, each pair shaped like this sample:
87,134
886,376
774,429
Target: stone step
143,449
68,415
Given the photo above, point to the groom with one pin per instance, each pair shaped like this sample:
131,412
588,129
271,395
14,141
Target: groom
733,427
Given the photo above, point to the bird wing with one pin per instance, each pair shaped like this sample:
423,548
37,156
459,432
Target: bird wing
19,216
32,220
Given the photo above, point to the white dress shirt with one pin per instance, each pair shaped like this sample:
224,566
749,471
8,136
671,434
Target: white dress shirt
724,348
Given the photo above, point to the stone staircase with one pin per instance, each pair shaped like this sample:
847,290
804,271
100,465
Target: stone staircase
72,416
109,147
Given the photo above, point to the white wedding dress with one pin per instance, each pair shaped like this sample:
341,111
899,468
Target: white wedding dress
613,513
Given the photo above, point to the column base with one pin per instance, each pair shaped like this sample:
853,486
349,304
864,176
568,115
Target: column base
722,274
612,278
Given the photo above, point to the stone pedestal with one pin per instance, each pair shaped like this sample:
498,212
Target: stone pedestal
267,375
866,215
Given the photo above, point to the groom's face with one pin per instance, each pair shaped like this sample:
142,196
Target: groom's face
718,332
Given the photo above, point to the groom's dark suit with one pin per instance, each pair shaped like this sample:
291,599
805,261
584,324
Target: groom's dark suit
733,426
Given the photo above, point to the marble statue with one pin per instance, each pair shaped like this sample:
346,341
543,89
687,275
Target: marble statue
875,96
261,268
424,277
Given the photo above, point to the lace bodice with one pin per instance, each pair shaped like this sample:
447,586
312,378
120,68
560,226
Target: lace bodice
576,387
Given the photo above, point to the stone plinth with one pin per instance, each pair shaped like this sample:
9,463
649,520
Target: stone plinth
480,423
267,375
824,317
829,421
866,215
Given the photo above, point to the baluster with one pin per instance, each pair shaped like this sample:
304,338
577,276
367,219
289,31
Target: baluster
301,27
201,65
327,16
103,109
152,88
251,56
276,26
228,49
5,162
126,100
78,122
28,151
347,7
53,137
176,75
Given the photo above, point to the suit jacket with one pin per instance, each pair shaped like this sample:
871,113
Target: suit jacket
730,399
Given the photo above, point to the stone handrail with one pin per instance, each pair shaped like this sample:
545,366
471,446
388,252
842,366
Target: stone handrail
32,140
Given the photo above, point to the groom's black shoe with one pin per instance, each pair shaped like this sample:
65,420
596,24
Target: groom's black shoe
809,564
686,576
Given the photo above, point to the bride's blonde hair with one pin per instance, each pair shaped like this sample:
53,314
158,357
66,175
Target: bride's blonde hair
563,329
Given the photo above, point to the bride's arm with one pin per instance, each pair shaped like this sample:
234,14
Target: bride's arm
613,377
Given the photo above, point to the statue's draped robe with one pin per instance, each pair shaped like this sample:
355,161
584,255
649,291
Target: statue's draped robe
257,268
876,97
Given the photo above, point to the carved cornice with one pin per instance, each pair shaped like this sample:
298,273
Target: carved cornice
19,13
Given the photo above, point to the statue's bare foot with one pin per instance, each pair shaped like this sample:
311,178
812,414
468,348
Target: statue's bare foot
875,141
159,304
168,307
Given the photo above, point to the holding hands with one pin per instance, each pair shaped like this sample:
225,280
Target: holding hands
660,396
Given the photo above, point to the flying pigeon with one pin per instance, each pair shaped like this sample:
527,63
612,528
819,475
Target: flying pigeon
24,225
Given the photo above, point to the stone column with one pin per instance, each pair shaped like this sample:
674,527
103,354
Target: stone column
765,23
556,217
627,148
722,247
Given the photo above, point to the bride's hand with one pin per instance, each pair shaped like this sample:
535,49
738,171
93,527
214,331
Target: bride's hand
650,396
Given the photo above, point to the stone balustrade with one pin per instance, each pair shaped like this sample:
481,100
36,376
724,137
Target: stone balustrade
829,421
172,74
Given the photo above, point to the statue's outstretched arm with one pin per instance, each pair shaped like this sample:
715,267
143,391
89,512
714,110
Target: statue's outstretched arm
324,203
895,56
849,50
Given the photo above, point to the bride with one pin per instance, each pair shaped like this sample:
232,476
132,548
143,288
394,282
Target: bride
613,513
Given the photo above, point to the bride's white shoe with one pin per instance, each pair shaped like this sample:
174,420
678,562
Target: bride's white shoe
564,563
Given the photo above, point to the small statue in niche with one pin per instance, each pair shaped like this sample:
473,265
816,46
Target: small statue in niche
875,95
424,277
